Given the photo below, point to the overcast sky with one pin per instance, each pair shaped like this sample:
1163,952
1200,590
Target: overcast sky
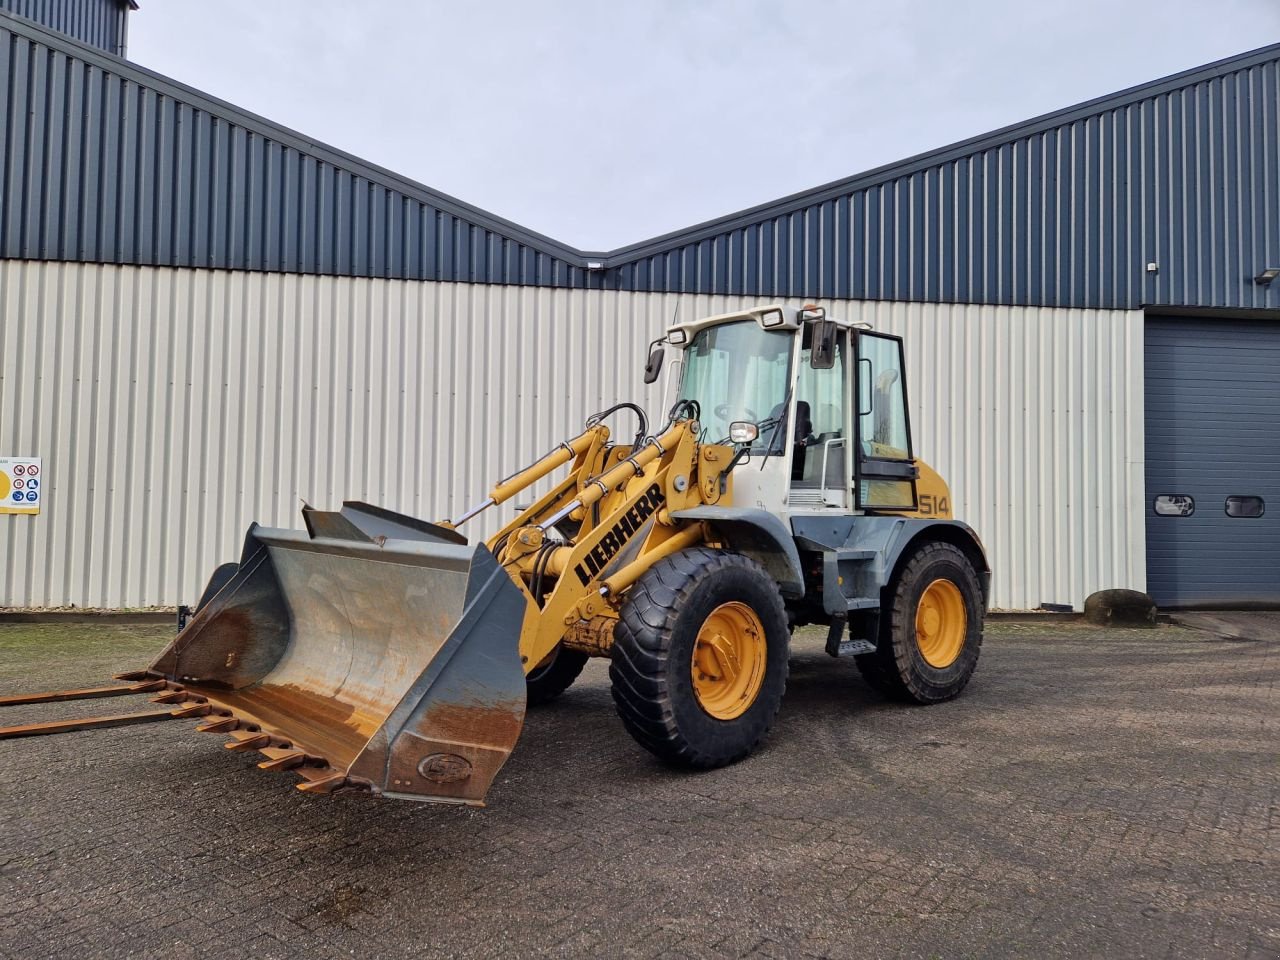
602,124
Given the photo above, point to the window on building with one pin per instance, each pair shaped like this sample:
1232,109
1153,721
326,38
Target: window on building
1245,507
1174,505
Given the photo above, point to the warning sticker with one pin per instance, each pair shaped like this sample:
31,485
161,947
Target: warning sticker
21,485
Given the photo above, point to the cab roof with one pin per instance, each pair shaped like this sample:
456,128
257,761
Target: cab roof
792,318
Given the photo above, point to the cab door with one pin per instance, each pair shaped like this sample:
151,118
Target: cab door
885,470
819,435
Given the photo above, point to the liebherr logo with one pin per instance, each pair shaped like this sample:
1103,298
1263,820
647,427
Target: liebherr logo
617,537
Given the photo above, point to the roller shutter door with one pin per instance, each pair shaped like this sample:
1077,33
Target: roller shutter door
1213,462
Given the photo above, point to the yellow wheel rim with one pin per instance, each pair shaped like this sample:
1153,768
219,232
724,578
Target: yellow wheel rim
729,658
941,624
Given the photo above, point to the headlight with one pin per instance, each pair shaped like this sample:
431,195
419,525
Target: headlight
773,318
677,337
743,431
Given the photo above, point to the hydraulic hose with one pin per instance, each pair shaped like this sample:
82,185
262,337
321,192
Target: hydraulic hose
640,415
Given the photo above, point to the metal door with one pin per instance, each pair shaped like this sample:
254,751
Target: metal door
1213,462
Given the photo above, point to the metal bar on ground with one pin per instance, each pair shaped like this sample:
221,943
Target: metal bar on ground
88,693
84,723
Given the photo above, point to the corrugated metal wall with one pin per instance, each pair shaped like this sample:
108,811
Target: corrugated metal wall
173,406
99,23
1068,213
104,161
1035,418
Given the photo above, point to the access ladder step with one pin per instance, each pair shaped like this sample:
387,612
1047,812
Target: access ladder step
838,646
854,648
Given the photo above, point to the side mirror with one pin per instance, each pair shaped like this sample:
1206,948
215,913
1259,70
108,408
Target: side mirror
653,366
822,353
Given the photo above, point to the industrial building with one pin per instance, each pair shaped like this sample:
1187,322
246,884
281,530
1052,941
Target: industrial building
207,318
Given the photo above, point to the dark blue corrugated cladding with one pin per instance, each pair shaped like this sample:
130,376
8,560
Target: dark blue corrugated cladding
1067,210
103,161
99,23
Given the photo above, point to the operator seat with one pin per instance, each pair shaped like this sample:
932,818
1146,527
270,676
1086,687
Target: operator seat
804,435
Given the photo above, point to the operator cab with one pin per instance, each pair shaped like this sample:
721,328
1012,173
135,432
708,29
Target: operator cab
827,401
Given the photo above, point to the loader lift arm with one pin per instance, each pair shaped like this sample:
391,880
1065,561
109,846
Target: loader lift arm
619,502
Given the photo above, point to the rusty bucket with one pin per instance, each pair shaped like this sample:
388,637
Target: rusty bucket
371,651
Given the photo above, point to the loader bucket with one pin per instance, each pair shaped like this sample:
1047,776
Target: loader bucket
372,650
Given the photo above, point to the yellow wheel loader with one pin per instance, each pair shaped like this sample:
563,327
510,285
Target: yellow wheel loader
379,652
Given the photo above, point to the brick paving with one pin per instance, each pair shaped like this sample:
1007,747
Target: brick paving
1092,794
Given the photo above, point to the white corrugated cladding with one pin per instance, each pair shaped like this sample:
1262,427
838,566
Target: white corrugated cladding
173,406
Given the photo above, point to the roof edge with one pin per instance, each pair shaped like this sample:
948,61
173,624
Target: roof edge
939,155
279,133
576,257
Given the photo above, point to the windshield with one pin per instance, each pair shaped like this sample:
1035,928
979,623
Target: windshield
738,371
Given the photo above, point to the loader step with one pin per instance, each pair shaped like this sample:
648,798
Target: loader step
853,648
839,646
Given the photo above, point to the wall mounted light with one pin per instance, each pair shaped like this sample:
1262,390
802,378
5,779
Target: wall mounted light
1266,276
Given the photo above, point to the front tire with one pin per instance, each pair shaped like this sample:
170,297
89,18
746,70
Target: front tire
699,660
548,680
930,628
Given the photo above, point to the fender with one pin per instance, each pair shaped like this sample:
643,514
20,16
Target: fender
759,535
887,539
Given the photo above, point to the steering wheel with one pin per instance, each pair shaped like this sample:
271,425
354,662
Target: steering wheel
723,412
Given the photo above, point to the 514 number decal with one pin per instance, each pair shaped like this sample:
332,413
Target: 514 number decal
931,506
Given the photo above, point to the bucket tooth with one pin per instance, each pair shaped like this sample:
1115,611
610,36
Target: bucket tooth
279,758
219,725
322,785
147,686
248,740
192,710
138,675
178,696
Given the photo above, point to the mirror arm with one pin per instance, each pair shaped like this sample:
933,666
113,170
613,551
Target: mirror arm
743,453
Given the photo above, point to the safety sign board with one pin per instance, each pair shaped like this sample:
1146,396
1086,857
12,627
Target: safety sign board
22,483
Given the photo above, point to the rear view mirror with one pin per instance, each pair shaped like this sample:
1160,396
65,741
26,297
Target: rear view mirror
654,365
822,354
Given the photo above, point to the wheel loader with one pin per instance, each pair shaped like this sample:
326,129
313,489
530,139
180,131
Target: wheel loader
374,651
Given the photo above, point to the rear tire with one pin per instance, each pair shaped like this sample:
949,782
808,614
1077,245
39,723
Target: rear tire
699,660
930,628
548,680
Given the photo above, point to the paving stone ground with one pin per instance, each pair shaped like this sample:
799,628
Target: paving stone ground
1093,793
